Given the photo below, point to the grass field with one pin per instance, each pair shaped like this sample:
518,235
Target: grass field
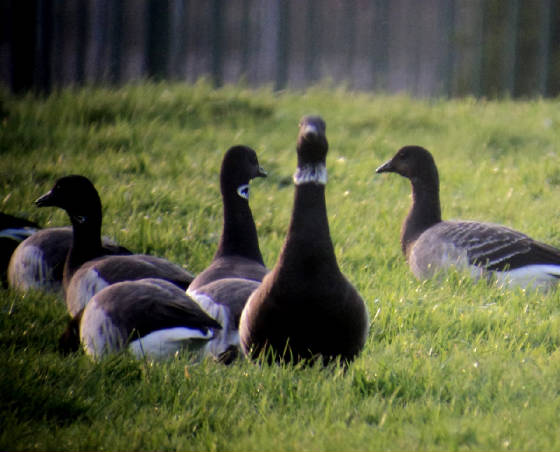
451,366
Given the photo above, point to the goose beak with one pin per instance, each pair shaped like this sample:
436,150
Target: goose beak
261,172
387,167
45,200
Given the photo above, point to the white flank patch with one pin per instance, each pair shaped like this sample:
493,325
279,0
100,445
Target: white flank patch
97,333
82,287
530,277
316,174
223,338
243,191
27,270
165,343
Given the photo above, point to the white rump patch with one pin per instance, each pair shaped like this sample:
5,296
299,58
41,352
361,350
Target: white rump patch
530,277
223,338
165,343
316,174
243,191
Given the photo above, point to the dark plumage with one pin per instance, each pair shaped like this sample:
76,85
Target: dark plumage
238,253
38,262
79,198
305,308
237,267
432,245
13,230
91,266
152,317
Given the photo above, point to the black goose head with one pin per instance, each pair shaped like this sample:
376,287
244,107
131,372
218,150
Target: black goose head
239,166
77,196
414,163
312,145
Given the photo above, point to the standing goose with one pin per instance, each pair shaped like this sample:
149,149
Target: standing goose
431,245
89,267
152,317
305,308
237,268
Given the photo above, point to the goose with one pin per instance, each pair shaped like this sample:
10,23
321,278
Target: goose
151,317
38,261
238,253
305,308
432,245
237,267
89,267
13,231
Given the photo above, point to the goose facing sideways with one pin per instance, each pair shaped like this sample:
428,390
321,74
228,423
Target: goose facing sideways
237,268
432,245
89,266
151,317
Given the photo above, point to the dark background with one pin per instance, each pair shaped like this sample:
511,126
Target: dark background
449,48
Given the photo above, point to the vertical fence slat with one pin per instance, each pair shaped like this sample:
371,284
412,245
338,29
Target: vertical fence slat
158,38
510,47
380,45
311,41
433,47
543,54
282,47
22,39
43,50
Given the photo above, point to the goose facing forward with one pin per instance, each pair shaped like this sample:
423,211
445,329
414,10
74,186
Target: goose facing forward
432,245
305,308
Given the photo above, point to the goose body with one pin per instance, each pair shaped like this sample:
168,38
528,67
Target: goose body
13,230
151,317
99,273
89,265
305,308
224,300
432,245
222,289
38,261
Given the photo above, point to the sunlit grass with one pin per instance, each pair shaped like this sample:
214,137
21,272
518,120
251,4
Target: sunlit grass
449,365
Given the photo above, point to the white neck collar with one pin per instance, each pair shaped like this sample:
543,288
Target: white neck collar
243,191
316,174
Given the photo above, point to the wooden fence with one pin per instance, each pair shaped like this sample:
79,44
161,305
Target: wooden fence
484,48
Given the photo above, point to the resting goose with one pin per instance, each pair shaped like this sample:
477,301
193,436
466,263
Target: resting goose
89,267
431,245
13,231
305,308
237,267
153,318
38,262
